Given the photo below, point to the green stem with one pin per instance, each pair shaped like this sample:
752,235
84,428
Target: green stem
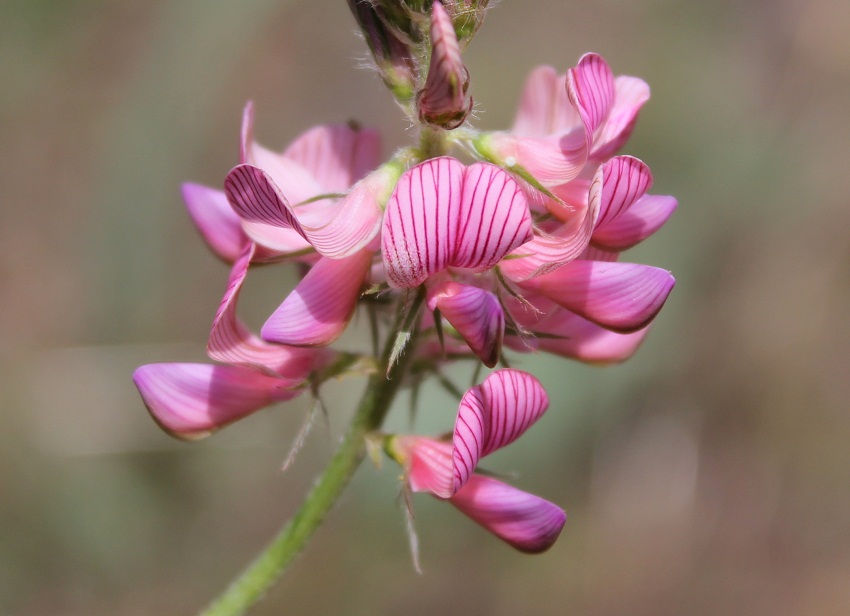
253,583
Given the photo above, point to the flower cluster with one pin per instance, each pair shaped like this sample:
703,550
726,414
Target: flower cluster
516,246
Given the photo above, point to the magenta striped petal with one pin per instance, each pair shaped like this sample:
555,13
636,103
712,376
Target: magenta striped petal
317,311
256,198
642,219
421,221
442,100
590,88
619,296
215,219
630,93
492,415
524,521
336,155
621,181
494,218
476,315
232,342
190,401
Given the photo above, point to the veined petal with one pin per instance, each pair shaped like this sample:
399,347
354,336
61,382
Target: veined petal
630,93
215,219
233,343
336,155
642,219
494,218
190,401
427,463
590,88
492,415
524,521
621,181
623,297
255,197
476,315
317,311
420,224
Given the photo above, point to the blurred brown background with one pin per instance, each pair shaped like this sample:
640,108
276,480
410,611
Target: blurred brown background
709,475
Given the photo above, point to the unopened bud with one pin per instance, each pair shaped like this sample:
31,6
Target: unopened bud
443,101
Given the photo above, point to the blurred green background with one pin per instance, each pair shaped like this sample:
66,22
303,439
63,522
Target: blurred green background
709,475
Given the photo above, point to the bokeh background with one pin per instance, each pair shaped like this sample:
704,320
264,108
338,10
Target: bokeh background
709,475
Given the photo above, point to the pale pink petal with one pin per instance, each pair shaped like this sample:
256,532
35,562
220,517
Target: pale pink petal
590,88
336,155
317,311
622,181
641,220
232,342
420,224
476,315
619,296
277,240
524,521
215,219
630,95
538,104
494,218
550,160
300,185
492,415
191,401
427,462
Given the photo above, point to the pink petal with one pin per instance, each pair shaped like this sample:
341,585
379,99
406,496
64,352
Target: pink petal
336,155
544,108
231,342
299,183
255,197
191,401
421,221
215,219
476,315
590,88
641,220
630,95
552,160
524,521
428,463
621,181
317,311
492,415
619,296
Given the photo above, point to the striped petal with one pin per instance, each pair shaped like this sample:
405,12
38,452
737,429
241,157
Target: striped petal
233,343
522,520
623,297
621,181
642,219
590,89
190,401
421,221
476,315
427,462
494,218
255,197
317,311
492,415
215,219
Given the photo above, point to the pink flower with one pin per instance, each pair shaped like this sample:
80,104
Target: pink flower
564,122
447,225
491,416
191,401
443,101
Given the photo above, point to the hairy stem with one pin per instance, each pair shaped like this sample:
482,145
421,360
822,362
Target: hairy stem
267,568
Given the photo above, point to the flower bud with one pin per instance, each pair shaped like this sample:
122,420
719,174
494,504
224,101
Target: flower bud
443,101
